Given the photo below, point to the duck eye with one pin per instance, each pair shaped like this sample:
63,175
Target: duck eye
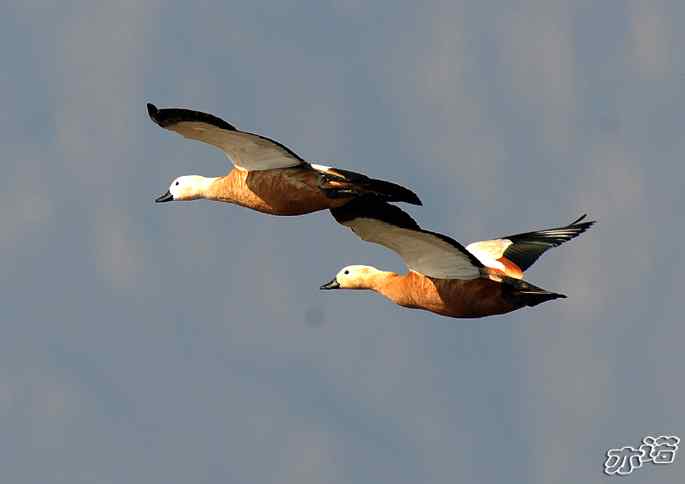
176,182
346,272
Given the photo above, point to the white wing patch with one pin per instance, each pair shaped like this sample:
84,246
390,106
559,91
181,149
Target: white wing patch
421,252
245,150
321,168
488,251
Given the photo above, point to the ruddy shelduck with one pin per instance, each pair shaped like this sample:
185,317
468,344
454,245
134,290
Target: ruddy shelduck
266,175
482,279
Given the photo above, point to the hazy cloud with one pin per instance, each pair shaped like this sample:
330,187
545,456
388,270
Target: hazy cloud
652,48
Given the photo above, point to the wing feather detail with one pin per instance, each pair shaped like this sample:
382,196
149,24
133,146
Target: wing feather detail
249,151
525,248
434,255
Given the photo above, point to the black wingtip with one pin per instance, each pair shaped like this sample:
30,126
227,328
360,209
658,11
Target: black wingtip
398,193
405,195
372,206
527,294
580,227
580,219
167,117
415,200
392,192
152,111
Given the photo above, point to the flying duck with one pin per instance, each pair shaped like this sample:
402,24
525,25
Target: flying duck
266,176
482,279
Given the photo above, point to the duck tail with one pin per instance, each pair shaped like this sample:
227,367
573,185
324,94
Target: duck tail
390,192
526,294
339,183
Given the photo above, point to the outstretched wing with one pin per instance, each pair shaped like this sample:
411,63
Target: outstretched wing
524,249
428,253
248,151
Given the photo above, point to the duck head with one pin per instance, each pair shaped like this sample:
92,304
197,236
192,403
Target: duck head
189,187
352,277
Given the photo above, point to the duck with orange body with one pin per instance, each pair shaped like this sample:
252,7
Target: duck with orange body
446,278
267,176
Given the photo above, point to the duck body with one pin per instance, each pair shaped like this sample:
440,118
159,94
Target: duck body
266,176
458,298
444,277
285,191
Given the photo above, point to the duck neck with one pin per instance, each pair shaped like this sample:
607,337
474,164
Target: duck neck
381,282
398,288
213,188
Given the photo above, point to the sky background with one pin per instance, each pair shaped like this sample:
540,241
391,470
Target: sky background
189,342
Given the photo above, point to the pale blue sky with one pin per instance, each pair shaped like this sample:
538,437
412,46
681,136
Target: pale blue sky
182,343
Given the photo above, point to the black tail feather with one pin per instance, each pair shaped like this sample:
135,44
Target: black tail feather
391,192
526,294
342,183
